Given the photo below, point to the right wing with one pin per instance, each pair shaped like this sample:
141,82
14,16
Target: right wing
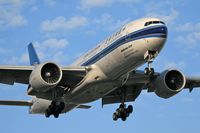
16,103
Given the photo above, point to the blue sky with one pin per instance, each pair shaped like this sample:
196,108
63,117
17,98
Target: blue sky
64,30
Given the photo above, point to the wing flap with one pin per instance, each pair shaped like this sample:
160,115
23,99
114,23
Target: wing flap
84,107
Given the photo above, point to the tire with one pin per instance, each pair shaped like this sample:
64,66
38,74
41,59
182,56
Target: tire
56,115
152,71
118,113
130,109
123,118
115,117
127,114
62,106
146,71
47,113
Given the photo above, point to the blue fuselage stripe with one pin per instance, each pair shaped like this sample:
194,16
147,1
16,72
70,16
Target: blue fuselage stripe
154,31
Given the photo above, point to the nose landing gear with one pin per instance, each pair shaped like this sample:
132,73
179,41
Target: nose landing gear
150,56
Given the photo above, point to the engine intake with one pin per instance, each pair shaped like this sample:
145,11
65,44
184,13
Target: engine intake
45,76
169,83
50,73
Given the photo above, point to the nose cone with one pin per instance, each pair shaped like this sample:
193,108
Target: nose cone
159,37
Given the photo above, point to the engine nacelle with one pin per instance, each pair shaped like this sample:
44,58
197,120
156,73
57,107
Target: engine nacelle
39,106
169,83
45,76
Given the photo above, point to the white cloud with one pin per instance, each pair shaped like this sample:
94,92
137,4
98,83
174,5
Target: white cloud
104,19
168,18
23,59
55,43
62,24
190,39
108,23
88,4
164,10
189,34
189,27
118,24
187,100
34,8
50,2
10,13
174,65
163,63
52,49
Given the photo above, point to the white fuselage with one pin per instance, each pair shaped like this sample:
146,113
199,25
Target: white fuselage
109,64
116,56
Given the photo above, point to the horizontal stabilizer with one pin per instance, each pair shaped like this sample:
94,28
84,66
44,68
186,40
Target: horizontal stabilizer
84,107
16,103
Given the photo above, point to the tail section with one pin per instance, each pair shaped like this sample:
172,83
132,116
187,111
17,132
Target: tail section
33,57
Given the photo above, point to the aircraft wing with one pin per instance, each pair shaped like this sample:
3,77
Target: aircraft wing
16,103
20,74
192,82
137,82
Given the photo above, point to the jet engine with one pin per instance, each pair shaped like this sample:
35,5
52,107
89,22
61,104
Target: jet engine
169,83
45,76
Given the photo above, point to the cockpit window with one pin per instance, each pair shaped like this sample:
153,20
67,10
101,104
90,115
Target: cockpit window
154,22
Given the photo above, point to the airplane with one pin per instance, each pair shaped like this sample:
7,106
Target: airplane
108,72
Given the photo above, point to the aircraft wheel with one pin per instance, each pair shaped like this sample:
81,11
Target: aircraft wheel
146,71
123,117
47,113
118,113
62,106
56,115
130,108
115,117
152,71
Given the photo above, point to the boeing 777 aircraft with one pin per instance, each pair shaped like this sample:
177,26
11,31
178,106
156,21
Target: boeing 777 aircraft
107,72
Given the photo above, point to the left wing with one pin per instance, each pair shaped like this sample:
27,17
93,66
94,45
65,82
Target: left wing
135,83
192,82
138,81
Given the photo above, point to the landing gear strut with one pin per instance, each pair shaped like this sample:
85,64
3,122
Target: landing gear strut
150,56
55,109
122,112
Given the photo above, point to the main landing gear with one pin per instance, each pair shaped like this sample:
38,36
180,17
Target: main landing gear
122,112
150,56
55,109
